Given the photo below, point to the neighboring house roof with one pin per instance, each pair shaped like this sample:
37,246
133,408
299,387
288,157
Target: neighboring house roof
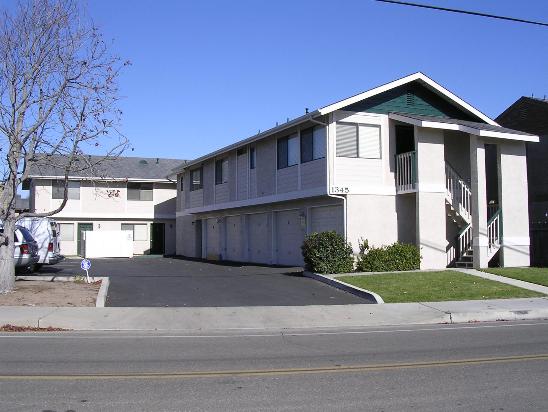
451,99
119,168
479,129
529,114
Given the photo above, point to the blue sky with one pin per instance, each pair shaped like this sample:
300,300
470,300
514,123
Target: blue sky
207,73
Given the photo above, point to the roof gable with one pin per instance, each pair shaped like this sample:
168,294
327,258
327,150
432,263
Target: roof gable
412,98
429,84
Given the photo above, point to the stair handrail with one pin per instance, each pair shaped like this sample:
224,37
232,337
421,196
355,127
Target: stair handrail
464,240
494,232
458,192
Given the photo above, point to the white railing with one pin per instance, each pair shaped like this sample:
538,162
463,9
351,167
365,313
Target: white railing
494,233
465,240
405,172
492,208
458,193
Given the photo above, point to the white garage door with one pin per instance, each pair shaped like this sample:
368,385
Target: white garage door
260,238
289,237
326,218
234,238
213,239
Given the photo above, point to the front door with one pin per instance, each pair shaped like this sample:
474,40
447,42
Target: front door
82,227
157,238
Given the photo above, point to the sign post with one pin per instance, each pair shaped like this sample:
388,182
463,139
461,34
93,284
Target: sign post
85,264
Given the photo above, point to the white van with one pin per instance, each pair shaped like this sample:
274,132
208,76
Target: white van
45,232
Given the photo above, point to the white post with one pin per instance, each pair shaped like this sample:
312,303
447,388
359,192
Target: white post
513,200
430,210
480,242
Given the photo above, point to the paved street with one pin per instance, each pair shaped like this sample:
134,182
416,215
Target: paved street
155,281
491,367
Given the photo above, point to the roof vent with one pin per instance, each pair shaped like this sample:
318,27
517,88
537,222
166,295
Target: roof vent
143,162
409,98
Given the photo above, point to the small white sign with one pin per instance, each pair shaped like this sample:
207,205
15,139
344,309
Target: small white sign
85,264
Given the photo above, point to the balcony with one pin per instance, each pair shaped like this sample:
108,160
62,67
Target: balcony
406,172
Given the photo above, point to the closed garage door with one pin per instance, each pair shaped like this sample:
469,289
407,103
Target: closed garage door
326,218
234,238
289,237
213,239
260,238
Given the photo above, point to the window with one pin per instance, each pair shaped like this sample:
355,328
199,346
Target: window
288,151
139,191
181,183
221,171
196,182
252,158
66,232
358,140
313,143
58,190
139,230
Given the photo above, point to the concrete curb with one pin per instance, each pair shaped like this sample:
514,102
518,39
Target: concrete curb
101,295
329,280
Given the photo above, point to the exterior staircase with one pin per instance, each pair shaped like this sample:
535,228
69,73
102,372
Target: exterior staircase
458,198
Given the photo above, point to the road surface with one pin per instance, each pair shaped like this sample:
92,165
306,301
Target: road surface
486,367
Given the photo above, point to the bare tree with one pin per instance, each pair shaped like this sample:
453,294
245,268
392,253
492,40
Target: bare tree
58,100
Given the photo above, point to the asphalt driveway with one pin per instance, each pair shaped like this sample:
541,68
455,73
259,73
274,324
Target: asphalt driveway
158,281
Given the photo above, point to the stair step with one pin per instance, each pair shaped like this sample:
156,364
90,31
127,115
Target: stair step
464,264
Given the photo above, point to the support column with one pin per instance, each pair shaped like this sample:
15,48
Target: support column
513,200
430,210
480,241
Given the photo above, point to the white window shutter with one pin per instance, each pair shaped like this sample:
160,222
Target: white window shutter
369,141
347,145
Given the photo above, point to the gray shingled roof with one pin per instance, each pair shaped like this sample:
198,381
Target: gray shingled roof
475,125
114,168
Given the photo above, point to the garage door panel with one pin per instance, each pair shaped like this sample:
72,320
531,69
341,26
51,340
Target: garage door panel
327,218
235,238
260,238
289,237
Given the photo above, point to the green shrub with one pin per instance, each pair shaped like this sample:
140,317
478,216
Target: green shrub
327,252
392,258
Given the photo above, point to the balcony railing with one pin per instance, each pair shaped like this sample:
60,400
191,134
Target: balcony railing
406,172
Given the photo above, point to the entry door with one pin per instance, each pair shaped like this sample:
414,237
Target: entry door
157,239
82,227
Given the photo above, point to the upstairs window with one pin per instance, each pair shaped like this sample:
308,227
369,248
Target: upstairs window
196,182
221,171
288,151
58,190
313,143
358,140
182,183
252,159
139,191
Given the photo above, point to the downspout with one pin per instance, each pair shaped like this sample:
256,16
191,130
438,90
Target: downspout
328,168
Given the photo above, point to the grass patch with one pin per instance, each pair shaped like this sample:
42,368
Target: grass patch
435,287
533,275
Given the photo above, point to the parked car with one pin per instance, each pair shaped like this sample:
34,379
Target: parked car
44,230
25,254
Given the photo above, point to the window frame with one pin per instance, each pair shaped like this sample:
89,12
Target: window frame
199,186
312,142
133,230
221,166
58,189
357,129
283,151
138,187
61,230
252,157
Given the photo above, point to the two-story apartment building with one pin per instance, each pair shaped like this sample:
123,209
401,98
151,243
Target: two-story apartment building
404,162
126,193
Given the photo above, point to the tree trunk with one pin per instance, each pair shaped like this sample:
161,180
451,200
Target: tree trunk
7,264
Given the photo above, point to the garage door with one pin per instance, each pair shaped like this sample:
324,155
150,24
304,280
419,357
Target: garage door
213,239
289,237
260,238
234,238
326,218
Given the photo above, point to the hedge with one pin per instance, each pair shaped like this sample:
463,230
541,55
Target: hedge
391,258
327,252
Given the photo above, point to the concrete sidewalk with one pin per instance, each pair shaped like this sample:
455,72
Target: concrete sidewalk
275,317
503,279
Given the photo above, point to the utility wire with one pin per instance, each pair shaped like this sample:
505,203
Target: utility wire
473,13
